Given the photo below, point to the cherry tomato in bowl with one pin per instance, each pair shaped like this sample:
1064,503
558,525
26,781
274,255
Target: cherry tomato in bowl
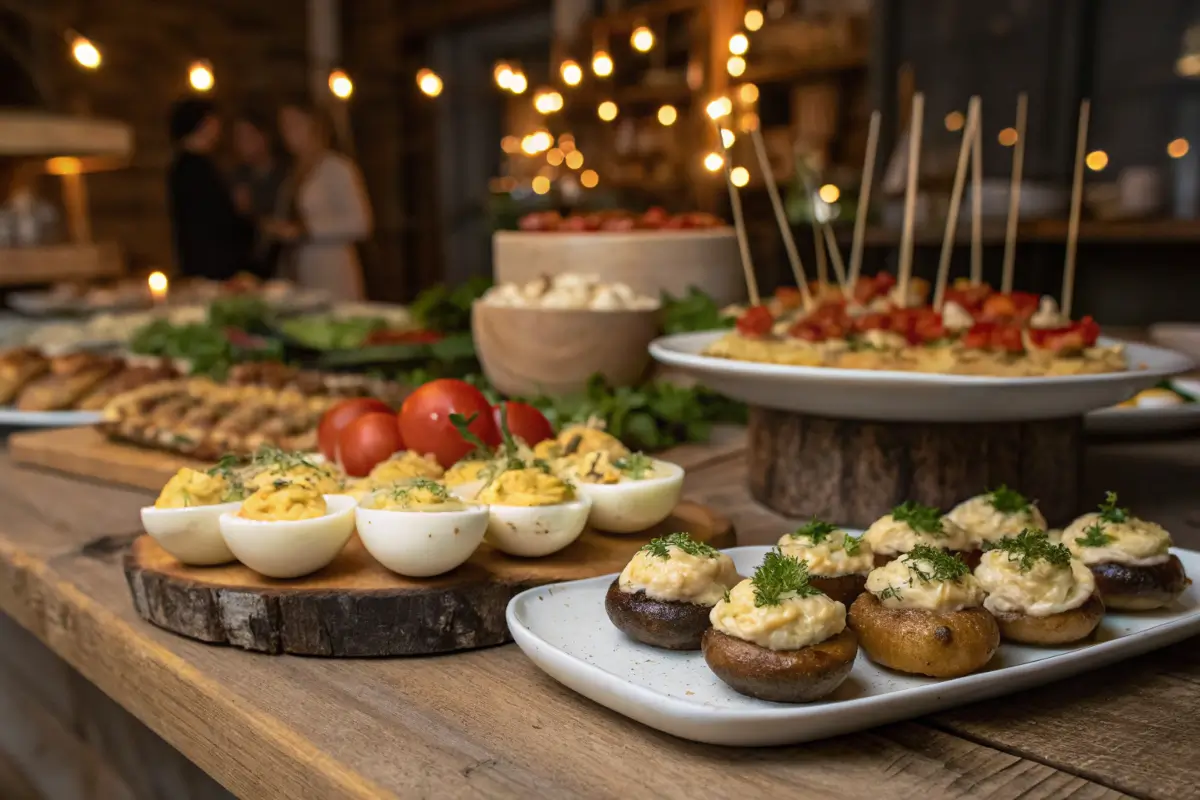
425,419
335,420
368,440
524,422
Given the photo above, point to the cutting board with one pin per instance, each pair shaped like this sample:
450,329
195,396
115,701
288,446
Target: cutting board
86,453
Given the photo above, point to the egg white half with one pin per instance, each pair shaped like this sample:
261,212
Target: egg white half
192,535
291,548
420,544
631,506
533,531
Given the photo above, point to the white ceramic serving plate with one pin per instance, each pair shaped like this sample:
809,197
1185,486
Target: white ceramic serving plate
1131,421
564,629
914,396
14,418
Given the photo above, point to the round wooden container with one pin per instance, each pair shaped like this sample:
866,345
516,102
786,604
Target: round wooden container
651,262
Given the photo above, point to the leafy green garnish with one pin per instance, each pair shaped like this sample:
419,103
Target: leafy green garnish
445,309
851,544
481,451
815,530
946,567
781,576
725,596
1109,512
635,465
273,457
1029,546
695,311
890,592
226,468
1093,536
1008,501
922,519
660,546
400,491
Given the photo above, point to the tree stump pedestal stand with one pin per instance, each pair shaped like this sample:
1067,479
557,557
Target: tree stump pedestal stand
851,472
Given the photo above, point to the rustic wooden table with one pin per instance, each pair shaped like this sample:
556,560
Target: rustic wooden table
489,724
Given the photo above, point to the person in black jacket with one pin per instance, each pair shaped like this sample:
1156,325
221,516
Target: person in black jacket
211,239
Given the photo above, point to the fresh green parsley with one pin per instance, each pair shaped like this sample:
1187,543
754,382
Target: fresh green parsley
636,465
946,567
660,547
922,519
226,468
1030,546
851,544
815,530
781,576
1093,536
401,491
890,592
481,451
1109,512
1008,501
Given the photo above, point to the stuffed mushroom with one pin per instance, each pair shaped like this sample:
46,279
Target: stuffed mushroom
776,637
909,525
837,562
665,593
992,516
923,614
1130,557
1038,593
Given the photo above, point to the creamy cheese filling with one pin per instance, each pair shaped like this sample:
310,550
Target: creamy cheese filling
984,523
680,577
794,623
908,583
828,557
1040,591
1135,542
889,536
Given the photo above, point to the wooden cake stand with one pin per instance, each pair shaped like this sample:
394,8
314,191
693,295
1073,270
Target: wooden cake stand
356,607
854,471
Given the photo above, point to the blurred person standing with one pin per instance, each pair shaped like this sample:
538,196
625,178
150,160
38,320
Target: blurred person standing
330,212
258,179
211,239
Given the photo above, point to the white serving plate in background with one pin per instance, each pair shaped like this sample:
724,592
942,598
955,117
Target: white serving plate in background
895,396
14,418
1148,420
565,631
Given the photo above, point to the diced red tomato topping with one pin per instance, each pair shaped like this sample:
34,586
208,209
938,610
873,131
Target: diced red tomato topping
1005,338
789,297
1067,338
867,288
755,321
970,296
1019,306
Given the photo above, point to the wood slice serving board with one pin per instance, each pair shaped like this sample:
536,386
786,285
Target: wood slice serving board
87,453
355,607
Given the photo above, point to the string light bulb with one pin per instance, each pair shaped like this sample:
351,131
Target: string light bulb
753,19
667,115
517,84
829,193
1096,160
571,72
541,185
429,82
157,282
739,44
503,73
589,178
200,76
574,159
642,39
955,121
1007,137
727,138
554,156
739,176
548,101
602,64
607,111
713,162
340,84
748,93
720,107
735,66
1178,148
86,54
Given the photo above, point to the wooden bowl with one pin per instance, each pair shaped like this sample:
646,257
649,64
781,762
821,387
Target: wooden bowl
526,352
651,262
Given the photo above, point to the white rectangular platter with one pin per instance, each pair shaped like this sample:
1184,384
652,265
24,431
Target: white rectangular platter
564,629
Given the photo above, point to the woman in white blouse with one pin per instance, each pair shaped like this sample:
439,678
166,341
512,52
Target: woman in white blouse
330,210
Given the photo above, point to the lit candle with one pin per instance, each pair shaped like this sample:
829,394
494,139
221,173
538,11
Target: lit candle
158,287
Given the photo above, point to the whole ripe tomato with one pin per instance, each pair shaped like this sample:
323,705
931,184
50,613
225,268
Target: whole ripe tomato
524,422
367,441
335,420
425,419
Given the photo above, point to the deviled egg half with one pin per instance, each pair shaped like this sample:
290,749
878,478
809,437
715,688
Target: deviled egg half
271,464
418,529
837,562
184,520
629,493
532,512
911,524
995,515
287,529
400,467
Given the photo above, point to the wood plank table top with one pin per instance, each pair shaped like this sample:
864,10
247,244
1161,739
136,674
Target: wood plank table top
489,724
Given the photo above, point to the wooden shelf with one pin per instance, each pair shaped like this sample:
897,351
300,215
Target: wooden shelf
63,262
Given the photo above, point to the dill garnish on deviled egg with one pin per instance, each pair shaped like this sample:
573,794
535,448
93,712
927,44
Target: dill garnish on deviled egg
911,524
270,464
417,528
777,637
629,493
184,518
837,562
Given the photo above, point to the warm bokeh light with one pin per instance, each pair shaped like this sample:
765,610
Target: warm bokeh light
541,184
719,108
1096,160
340,84
753,19
64,165
503,73
1178,148
739,44
642,39
566,142
429,82
607,111
713,162
548,101
602,64
748,121
739,176
158,285
748,93
554,156
574,159
955,121
542,140
1007,137
727,137
200,76
85,53
517,84
829,193
571,72
510,145
667,115
589,178
735,66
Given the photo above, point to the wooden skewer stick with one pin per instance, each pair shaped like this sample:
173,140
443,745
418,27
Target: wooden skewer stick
739,222
789,242
835,257
1068,289
977,201
819,245
960,180
910,196
1014,197
864,201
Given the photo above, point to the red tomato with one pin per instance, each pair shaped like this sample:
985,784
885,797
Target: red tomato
755,321
1068,338
970,297
524,422
335,420
654,217
367,441
574,224
789,297
807,331
425,419
540,221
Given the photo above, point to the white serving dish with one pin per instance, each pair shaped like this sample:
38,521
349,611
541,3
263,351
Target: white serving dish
564,630
1168,419
914,396
15,418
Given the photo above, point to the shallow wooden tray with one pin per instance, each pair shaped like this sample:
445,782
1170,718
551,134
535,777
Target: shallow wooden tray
355,607
87,453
